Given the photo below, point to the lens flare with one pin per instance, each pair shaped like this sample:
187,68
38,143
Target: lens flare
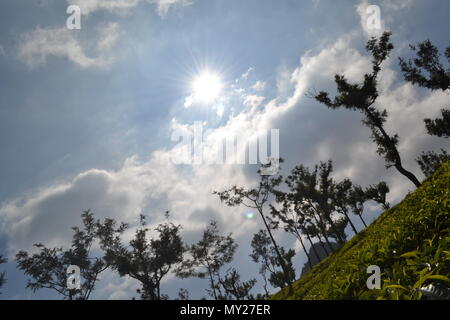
206,87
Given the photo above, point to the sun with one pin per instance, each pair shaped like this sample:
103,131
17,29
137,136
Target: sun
206,87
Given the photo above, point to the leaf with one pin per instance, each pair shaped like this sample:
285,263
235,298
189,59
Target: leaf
396,286
410,254
438,277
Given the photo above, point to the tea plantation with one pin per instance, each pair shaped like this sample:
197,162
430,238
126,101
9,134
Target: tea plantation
409,242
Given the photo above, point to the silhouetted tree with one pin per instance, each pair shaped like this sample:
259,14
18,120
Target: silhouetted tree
292,222
426,70
48,267
148,260
208,257
257,198
2,274
316,205
440,126
314,195
264,253
358,197
234,288
430,161
183,294
362,97
302,190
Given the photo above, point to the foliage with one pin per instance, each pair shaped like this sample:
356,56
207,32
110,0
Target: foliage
258,198
2,274
234,289
148,260
430,161
426,69
317,205
263,252
48,267
207,257
440,126
362,97
427,62
409,242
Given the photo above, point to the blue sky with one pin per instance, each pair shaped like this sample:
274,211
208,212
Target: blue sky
87,115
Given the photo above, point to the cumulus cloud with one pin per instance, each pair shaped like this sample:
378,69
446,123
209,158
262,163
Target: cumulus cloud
253,101
121,6
37,45
89,6
370,13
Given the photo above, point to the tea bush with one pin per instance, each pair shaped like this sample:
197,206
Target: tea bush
409,242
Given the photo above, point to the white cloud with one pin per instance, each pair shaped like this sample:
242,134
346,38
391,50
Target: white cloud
364,16
247,73
189,100
89,6
387,9
108,36
121,6
163,6
253,101
37,45
259,85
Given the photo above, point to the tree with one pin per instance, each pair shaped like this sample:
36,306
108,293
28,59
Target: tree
358,197
264,253
440,126
426,70
234,288
316,205
48,267
430,161
183,294
257,198
313,196
207,257
147,260
362,97
293,223
2,274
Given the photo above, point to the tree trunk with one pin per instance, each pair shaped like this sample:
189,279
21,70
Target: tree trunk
280,257
360,216
299,237
313,248
398,161
350,221
321,224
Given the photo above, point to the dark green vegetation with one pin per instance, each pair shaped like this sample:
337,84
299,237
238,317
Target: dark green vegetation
409,242
2,274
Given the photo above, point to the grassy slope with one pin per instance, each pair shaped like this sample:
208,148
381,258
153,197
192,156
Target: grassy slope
409,242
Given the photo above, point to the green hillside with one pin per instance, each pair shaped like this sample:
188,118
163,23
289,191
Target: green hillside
409,242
